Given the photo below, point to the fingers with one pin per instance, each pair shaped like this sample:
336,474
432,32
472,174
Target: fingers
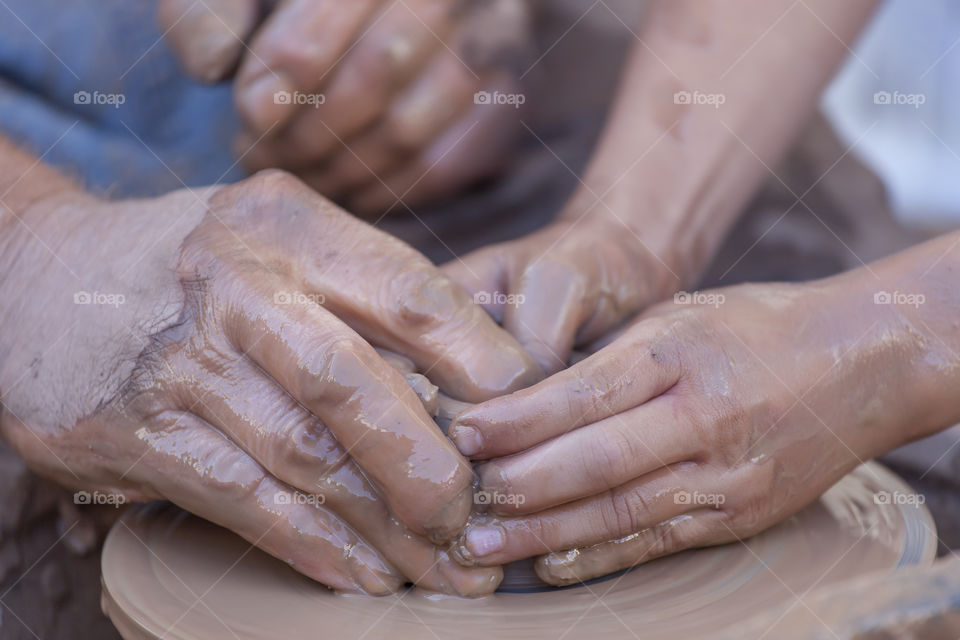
475,147
675,535
396,299
641,365
194,466
365,403
300,451
207,36
414,120
294,51
374,68
637,505
589,460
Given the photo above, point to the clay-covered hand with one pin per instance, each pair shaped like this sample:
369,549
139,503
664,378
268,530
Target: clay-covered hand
368,101
213,348
565,285
703,423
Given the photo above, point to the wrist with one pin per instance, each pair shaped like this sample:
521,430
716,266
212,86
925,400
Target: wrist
649,226
886,357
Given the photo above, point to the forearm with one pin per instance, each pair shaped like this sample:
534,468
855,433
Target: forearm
679,173
901,354
75,271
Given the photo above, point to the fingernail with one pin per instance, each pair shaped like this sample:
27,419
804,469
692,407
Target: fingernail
467,439
483,541
267,100
371,574
559,570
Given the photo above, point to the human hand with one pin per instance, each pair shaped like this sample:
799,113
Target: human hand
701,424
367,101
565,285
222,362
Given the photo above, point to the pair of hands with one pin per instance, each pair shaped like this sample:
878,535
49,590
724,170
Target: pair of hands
218,382
176,348
377,97
700,424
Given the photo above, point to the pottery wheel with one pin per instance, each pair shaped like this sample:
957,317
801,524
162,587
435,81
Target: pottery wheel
167,574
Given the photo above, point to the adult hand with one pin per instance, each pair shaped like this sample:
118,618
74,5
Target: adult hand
368,101
565,285
212,348
703,423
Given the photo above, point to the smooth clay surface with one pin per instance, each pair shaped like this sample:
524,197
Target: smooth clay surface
171,575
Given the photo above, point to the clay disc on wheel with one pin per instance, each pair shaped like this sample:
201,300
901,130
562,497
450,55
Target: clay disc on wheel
167,574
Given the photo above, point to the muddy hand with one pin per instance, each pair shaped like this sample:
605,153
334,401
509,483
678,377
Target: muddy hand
368,101
693,428
212,348
565,285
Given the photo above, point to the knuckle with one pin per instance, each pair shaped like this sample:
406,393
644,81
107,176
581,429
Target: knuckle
608,459
274,182
293,453
332,355
552,269
599,389
422,297
375,64
293,54
664,539
623,513
664,353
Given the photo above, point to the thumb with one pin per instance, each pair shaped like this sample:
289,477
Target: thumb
207,37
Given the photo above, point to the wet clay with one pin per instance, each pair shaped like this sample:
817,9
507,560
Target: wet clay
169,574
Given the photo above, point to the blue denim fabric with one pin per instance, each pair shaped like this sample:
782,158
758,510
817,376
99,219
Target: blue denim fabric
167,133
